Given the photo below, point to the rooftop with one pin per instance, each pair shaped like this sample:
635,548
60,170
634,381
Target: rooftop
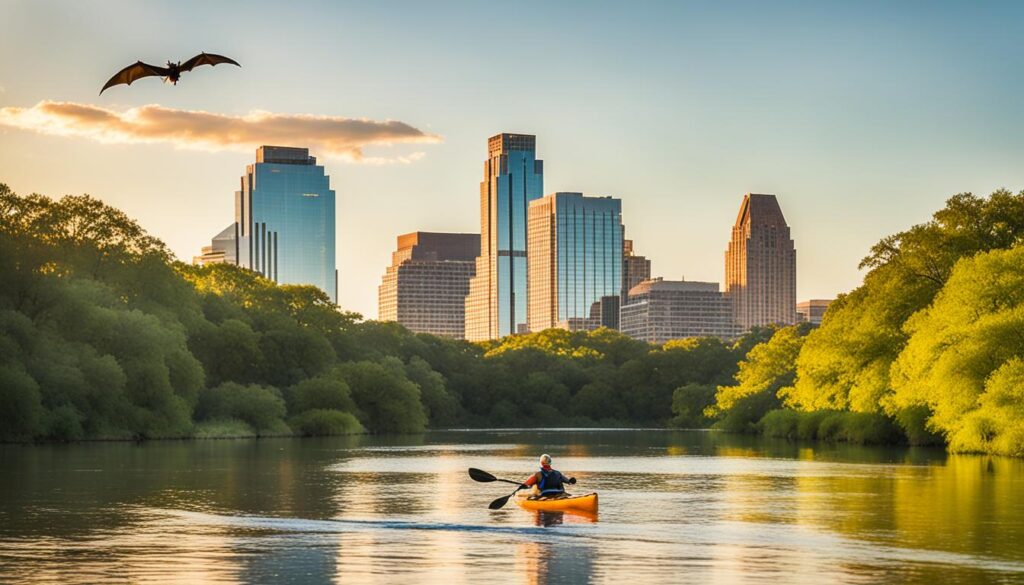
661,285
284,155
504,142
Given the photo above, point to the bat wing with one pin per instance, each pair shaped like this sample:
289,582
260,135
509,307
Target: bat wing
135,71
206,59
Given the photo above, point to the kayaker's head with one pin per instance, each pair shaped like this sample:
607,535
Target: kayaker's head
545,461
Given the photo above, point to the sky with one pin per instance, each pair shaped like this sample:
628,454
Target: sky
863,118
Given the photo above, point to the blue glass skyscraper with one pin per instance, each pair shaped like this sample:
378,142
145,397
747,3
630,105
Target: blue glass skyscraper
575,259
284,219
497,301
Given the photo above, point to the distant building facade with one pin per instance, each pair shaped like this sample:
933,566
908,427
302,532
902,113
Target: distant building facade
426,285
603,313
635,268
285,215
760,265
812,311
574,258
222,248
659,310
513,177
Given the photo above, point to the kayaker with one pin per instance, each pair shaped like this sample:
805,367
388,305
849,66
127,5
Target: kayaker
548,482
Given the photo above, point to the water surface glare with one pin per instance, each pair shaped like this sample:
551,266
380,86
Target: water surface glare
691,507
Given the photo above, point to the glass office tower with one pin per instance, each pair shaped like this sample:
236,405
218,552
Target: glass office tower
496,305
285,217
575,258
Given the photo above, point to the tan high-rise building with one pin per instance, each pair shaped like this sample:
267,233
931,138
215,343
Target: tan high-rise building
426,285
760,265
635,269
513,177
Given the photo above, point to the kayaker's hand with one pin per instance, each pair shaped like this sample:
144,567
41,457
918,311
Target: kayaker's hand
572,480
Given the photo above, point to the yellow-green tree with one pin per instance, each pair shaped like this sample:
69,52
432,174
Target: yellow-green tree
964,356
845,364
764,377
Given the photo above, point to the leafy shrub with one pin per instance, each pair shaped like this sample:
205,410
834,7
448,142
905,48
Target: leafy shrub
259,406
20,407
326,391
387,400
231,428
64,423
747,411
809,423
914,423
323,422
831,425
780,424
868,428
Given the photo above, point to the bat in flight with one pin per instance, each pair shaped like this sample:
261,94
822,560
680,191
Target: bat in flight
170,73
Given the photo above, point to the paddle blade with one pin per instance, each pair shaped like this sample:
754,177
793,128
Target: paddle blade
481,475
500,502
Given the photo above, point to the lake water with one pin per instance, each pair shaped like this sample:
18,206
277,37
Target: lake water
680,507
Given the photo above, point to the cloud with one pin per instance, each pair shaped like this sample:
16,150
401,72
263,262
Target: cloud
329,136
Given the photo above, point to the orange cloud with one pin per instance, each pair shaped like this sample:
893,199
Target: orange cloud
329,136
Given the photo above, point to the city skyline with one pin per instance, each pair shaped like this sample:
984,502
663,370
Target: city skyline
843,112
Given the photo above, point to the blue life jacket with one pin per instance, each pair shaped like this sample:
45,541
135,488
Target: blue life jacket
550,483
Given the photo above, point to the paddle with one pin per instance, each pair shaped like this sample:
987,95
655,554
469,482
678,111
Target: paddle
500,502
484,477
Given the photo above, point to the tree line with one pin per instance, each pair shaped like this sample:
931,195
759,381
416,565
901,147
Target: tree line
104,335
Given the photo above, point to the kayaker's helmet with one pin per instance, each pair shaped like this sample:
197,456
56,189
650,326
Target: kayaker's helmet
545,459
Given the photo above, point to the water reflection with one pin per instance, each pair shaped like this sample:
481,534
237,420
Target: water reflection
548,519
541,563
676,506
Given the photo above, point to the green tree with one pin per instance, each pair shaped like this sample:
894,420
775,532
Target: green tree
442,406
689,402
388,401
230,351
328,391
599,401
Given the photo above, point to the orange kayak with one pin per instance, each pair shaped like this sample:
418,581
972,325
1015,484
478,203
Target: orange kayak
587,503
